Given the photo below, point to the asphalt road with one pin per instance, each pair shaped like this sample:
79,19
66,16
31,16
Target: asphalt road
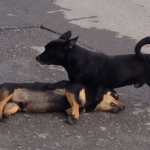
112,27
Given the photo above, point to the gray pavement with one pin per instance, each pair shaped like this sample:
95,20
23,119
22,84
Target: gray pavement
109,28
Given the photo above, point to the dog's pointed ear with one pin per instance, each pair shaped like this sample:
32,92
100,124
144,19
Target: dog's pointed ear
70,43
66,35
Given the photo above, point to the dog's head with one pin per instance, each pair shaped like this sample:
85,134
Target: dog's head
56,50
109,101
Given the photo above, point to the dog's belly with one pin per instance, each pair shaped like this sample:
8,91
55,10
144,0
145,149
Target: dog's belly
38,102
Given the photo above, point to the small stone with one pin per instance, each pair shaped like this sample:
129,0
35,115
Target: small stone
19,145
57,144
103,128
67,134
78,137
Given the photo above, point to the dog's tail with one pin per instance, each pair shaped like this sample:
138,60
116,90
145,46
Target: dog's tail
139,45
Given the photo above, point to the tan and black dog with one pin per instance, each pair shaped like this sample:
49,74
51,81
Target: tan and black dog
60,96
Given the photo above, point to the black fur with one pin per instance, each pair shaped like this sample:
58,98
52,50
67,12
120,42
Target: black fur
93,69
36,86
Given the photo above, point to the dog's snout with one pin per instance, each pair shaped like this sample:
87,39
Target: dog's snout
122,108
37,58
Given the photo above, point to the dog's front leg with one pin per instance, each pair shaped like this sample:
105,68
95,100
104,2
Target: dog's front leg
74,107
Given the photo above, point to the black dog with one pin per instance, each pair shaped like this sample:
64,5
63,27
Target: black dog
60,96
93,69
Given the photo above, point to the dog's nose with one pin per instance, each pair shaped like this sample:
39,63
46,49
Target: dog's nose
122,108
37,58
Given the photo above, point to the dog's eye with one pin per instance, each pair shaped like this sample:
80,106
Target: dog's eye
115,95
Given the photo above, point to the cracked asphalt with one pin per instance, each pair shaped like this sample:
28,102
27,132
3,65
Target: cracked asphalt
21,39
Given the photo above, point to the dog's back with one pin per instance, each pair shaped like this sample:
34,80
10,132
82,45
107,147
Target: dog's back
37,86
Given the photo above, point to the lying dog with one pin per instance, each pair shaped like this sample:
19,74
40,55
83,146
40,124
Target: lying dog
93,69
60,96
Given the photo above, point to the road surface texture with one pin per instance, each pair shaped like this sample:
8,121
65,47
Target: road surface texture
112,27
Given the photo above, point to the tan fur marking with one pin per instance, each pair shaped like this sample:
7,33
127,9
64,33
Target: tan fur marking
5,99
69,111
104,105
3,95
11,108
74,105
83,111
82,96
60,91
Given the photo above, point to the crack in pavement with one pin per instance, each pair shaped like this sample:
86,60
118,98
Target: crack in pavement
44,28
23,27
50,30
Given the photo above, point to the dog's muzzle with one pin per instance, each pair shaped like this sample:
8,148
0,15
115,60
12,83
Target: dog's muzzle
37,58
116,108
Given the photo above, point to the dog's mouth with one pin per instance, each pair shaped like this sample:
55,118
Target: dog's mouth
41,62
116,108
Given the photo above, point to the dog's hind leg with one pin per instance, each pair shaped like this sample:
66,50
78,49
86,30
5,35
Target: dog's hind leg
5,97
10,108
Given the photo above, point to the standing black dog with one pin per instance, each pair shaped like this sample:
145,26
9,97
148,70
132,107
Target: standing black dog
93,69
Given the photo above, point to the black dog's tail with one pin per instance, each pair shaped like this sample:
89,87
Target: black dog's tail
139,45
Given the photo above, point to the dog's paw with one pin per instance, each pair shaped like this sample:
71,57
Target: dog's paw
75,116
6,115
71,120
